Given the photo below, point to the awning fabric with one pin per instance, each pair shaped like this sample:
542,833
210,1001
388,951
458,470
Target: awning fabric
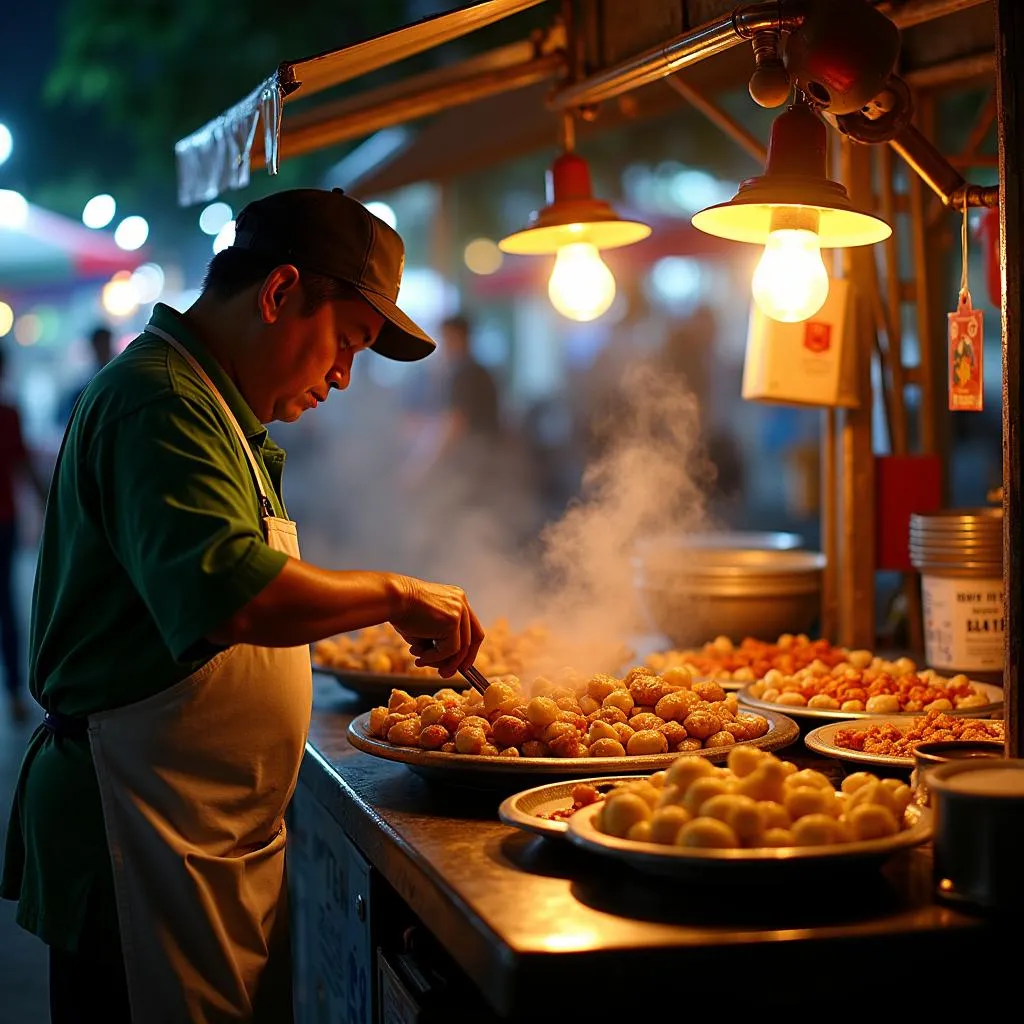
216,157
49,249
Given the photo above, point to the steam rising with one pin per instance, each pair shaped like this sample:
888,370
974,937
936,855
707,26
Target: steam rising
651,477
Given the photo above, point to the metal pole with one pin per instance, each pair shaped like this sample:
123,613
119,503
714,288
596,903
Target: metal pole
720,119
1009,45
939,174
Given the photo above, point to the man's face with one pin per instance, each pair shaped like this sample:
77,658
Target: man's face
302,357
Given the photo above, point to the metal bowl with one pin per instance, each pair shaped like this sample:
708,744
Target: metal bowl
732,592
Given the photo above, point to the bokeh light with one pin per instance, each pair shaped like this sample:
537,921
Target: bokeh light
6,319
119,297
214,217
148,281
99,211
6,143
383,211
131,233
482,256
13,209
28,329
225,237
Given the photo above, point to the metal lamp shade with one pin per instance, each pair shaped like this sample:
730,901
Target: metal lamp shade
793,192
571,215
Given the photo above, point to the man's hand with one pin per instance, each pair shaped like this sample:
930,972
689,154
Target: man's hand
438,624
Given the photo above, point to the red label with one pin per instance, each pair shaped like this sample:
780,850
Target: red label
817,337
966,352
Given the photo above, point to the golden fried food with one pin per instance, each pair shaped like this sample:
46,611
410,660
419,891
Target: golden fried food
935,727
600,717
757,802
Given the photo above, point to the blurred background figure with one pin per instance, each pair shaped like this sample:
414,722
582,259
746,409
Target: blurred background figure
101,341
16,466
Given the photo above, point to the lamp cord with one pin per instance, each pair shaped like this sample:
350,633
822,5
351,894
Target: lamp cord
964,292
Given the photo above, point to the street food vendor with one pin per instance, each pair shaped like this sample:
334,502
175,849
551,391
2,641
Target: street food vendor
170,625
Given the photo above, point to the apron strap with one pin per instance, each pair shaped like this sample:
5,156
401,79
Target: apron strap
265,503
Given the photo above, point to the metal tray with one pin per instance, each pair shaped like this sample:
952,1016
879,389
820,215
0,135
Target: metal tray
524,809
742,865
994,693
477,771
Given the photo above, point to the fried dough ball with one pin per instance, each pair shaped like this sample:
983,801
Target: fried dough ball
801,801
707,833
747,727
635,673
401,702
607,747
588,705
647,741
702,790
406,733
509,731
743,760
817,830
452,718
432,713
666,823
542,711
677,706
476,722
470,740
854,782
852,705
489,750
600,686
774,815
809,777
610,714
623,730
870,821
433,737
684,771
689,745
601,731
709,690
720,739
645,720
643,788
765,782
448,748
823,700
675,733
640,832
557,729
777,837
679,675
509,752
621,699
535,748
648,690
377,717
942,704
792,699
567,746
740,813
391,720
621,812
702,724
884,704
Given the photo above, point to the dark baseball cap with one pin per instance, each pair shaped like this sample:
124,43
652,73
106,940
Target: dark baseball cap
330,233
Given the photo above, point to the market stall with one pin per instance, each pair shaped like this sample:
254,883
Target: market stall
448,854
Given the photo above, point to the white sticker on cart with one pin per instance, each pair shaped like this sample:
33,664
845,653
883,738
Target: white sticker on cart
963,623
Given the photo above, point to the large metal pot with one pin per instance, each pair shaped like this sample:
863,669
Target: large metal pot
694,595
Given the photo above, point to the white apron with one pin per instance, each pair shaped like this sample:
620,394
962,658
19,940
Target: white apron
194,783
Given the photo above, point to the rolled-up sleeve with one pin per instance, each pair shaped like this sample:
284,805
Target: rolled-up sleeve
180,510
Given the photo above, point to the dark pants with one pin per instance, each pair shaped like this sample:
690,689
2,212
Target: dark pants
86,991
10,642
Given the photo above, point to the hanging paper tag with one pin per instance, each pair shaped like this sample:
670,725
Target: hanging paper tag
966,352
966,345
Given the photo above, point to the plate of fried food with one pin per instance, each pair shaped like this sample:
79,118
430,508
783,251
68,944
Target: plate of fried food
546,810
376,659
866,685
734,666
750,820
890,741
569,726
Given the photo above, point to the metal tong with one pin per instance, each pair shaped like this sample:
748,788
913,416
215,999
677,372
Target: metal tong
472,675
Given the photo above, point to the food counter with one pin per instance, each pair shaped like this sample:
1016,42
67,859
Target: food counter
515,927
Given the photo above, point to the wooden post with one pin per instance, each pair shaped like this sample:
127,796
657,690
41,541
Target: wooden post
1009,46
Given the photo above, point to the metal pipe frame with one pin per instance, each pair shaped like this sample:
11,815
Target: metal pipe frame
412,99
718,36
939,174
720,119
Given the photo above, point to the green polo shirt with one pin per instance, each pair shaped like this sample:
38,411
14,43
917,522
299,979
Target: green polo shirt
151,540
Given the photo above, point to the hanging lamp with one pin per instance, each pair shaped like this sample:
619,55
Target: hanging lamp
795,211
574,226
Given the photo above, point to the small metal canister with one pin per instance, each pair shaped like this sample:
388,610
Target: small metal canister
928,755
979,832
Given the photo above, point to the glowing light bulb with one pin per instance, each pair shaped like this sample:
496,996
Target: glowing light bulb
791,282
581,286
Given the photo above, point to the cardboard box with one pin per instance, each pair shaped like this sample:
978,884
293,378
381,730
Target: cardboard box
808,363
